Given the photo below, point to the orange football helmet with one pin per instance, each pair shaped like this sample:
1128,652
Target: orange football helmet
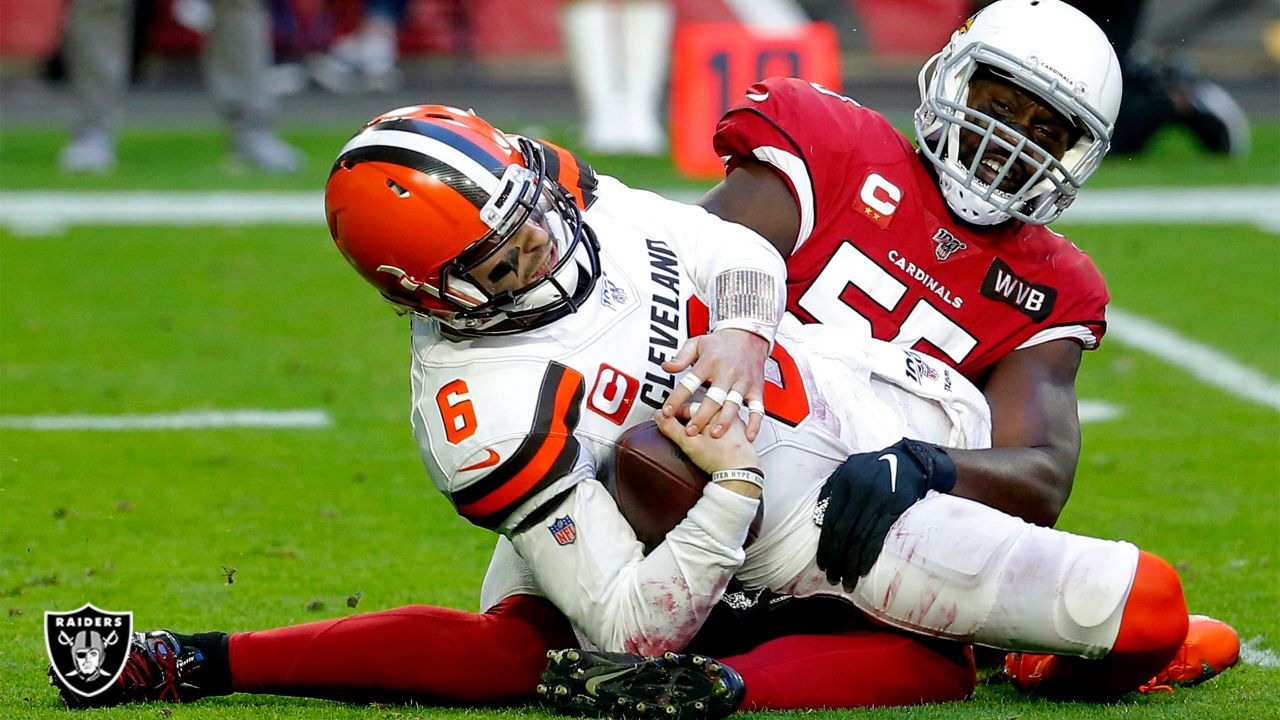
423,195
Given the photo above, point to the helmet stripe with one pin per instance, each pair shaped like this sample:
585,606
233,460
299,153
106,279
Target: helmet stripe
448,137
475,180
422,163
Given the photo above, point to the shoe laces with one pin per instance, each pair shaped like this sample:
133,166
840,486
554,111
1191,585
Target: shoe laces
149,668
1153,685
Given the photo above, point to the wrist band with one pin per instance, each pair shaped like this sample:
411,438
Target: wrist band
752,475
747,295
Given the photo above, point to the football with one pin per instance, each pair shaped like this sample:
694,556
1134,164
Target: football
654,484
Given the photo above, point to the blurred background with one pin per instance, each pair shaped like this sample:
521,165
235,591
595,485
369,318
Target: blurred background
339,62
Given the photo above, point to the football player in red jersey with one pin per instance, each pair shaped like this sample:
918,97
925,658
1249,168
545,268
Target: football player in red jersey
944,248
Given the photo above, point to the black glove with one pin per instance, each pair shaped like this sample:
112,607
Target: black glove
865,496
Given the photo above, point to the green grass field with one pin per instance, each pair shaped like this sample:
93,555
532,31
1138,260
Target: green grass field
120,320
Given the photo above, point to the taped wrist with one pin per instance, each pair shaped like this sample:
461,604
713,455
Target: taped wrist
938,467
747,299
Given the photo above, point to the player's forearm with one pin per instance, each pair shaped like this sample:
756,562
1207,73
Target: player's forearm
624,601
1030,483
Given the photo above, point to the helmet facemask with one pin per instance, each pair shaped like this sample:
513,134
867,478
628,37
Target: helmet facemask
524,194
1048,184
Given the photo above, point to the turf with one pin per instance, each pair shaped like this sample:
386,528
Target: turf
194,159
133,320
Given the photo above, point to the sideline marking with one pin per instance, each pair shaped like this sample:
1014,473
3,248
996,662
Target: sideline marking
1252,652
172,421
40,212
50,212
1097,411
1211,366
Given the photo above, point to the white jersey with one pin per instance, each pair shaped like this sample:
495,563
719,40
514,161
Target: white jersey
513,430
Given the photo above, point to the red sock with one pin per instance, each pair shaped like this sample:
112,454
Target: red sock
858,668
1153,627
420,651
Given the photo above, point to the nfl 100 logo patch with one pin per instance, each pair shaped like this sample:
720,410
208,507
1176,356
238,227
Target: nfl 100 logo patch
88,647
563,530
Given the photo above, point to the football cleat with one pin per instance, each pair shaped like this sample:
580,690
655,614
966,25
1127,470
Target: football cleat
1026,670
159,668
260,148
673,687
93,150
1211,647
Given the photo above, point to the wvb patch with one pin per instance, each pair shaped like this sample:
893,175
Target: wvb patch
88,647
1002,285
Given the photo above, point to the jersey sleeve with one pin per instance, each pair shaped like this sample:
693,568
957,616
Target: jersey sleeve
707,247
1082,299
586,560
811,136
499,444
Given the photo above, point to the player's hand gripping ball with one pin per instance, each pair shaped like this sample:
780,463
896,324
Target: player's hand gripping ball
655,484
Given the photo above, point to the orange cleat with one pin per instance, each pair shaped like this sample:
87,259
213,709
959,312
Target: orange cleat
1211,647
1026,670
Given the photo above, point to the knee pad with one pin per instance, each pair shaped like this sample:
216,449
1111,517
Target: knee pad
958,569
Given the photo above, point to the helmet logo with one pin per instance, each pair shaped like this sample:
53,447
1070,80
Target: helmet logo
967,24
515,190
406,280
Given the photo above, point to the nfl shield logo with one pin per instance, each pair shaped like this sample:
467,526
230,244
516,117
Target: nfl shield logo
946,244
563,530
88,647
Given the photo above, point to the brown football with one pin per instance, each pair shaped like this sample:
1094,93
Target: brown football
654,484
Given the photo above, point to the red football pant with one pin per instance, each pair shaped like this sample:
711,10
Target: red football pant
858,668
443,655
419,651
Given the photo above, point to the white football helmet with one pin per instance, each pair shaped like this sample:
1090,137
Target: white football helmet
1049,49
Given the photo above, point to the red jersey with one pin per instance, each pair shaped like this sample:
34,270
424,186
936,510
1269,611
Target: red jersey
879,253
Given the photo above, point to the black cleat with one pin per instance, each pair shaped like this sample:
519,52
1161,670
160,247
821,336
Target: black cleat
159,668
673,687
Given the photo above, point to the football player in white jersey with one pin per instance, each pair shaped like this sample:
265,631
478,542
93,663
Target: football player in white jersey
547,306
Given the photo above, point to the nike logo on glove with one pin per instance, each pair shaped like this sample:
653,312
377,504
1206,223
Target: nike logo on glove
893,470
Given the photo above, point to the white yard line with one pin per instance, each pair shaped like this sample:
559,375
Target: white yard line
201,420
51,212
1252,652
1249,205
39,212
1208,364
1097,411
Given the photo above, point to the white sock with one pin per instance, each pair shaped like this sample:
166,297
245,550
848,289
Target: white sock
591,32
646,46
